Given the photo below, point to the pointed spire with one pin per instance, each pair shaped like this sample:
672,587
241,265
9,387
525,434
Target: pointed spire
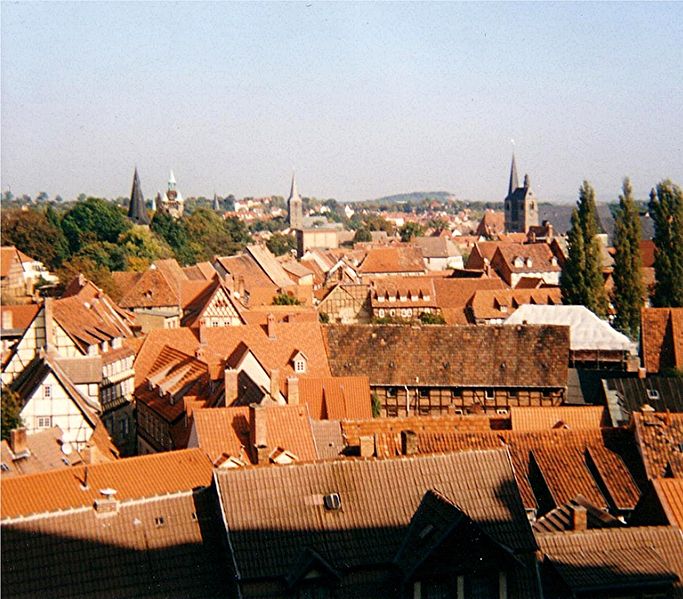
216,203
514,182
137,211
171,181
294,192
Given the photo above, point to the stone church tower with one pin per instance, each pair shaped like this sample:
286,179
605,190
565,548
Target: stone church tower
295,208
521,207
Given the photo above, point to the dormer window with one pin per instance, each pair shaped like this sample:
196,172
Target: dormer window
300,363
519,262
529,262
553,261
380,298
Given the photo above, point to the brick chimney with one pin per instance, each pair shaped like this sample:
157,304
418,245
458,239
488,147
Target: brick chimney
367,446
275,383
293,391
270,326
408,443
230,378
258,433
17,441
579,518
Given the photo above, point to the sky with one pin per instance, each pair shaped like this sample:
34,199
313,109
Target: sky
362,100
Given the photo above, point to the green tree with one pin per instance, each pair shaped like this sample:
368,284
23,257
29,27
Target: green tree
411,230
109,256
628,283
32,232
11,408
362,235
174,233
142,247
284,299
666,210
100,275
94,220
281,244
431,318
581,281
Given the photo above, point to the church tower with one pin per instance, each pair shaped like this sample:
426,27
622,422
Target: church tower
521,208
172,201
295,209
137,211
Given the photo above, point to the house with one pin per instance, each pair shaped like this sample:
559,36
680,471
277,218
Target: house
661,338
434,370
491,226
493,306
514,261
453,295
254,435
439,253
403,297
626,395
367,528
14,287
404,261
346,304
333,398
140,527
594,343
83,334
15,319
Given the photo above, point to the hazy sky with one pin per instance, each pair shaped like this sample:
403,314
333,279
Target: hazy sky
362,99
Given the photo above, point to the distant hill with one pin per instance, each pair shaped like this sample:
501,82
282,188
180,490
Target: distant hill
416,196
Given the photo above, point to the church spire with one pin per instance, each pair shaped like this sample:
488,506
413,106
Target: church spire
295,215
294,192
137,211
216,203
514,182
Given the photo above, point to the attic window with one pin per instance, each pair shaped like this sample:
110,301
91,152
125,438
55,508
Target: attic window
47,391
519,262
300,365
529,262
553,261
332,501
652,394
159,521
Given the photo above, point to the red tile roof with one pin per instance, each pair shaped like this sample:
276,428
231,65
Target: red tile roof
405,259
660,440
670,493
662,338
528,419
336,398
132,478
500,303
453,295
22,314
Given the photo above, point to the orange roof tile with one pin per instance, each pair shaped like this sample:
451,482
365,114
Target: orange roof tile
22,315
660,438
500,303
336,398
8,256
662,338
392,260
670,493
132,478
452,295
545,418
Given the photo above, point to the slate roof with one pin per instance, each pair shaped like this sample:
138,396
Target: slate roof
660,440
662,338
587,331
274,514
594,559
132,478
627,395
126,554
335,398
528,419
491,356
404,259
226,431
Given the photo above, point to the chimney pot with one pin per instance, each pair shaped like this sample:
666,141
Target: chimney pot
271,326
293,391
18,441
258,433
275,383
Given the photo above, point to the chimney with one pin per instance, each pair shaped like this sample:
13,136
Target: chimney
240,286
408,443
367,446
200,352
275,383
17,441
271,326
258,433
230,378
579,518
107,505
6,319
293,391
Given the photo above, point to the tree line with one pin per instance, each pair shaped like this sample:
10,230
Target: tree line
582,281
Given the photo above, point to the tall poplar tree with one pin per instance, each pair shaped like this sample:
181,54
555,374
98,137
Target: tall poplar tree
581,279
628,292
666,210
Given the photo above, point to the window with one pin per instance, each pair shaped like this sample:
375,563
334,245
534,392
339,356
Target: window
300,366
653,394
47,391
490,394
380,312
456,393
159,521
44,421
392,392
123,426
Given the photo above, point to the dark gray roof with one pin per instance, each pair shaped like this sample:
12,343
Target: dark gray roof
137,211
627,395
